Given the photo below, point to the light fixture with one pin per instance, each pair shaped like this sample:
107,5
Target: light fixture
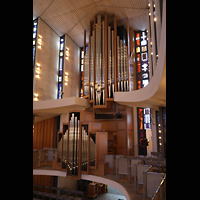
37,71
155,19
66,78
67,53
39,41
35,97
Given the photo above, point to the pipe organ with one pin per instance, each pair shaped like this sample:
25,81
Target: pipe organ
106,66
84,157
74,144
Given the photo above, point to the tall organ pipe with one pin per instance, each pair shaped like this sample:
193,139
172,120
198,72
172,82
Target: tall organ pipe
98,61
92,68
109,62
118,64
97,87
113,65
103,64
73,154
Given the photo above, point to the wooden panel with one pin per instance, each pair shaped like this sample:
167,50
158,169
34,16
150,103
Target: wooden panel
121,139
42,180
121,125
94,127
44,133
102,145
109,125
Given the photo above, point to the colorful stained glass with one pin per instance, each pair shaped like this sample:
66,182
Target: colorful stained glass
142,59
141,118
141,134
138,67
137,49
143,39
138,57
144,56
145,75
139,76
147,111
144,48
145,82
145,67
139,84
137,39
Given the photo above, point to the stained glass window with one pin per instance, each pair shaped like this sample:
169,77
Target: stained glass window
61,67
82,69
35,25
142,59
144,122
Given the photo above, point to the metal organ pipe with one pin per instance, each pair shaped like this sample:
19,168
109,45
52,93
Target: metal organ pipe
92,68
98,61
86,73
73,146
118,64
113,65
84,157
103,64
97,83
122,67
109,62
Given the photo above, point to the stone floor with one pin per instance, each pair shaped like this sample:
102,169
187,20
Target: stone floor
112,194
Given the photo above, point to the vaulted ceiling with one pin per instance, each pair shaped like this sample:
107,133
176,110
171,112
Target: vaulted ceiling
72,17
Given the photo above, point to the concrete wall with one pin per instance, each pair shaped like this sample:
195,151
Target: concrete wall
46,85
72,66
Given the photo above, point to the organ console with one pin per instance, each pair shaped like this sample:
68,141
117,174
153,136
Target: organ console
106,64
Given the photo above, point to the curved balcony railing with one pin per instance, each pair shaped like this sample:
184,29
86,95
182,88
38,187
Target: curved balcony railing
155,92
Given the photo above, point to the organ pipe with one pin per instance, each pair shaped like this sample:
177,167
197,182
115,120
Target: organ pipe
92,68
84,162
96,84
73,155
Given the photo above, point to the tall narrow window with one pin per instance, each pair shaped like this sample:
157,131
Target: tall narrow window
143,124
82,69
35,25
142,59
61,67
